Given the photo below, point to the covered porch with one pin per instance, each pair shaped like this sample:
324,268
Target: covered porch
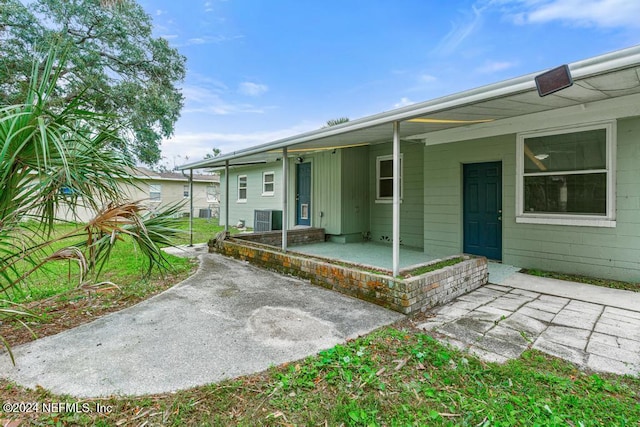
409,292
368,254
378,256
501,110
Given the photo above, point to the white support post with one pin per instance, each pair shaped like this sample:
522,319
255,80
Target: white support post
190,207
226,196
396,198
285,191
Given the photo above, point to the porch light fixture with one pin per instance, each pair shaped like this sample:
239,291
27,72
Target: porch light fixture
300,159
553,80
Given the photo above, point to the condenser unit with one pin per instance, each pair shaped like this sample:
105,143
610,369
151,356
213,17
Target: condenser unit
267,220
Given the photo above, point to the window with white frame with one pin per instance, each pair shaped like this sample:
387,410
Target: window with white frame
242,188
155,192
185,191
212,195
567,176
384,178
268,183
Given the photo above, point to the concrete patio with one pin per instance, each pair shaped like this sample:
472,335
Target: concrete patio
594,327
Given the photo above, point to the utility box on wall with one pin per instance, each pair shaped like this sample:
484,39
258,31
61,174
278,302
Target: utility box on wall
267,220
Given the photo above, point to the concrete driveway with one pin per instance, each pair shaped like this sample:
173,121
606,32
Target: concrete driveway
595,327
229,319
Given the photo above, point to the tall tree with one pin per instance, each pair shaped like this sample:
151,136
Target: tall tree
114,62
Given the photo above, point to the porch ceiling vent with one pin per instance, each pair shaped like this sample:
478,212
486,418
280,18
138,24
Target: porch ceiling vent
267,220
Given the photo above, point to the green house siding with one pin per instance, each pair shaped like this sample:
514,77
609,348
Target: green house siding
325,190
255,199
339,191
339,198
411,209
355,191
594,251
443,188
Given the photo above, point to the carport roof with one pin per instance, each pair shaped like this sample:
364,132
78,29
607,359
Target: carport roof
603,77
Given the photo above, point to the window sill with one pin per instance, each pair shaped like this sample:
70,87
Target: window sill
567,220
241,201
385,201
270,194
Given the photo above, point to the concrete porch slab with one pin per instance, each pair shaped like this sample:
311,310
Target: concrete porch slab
364,253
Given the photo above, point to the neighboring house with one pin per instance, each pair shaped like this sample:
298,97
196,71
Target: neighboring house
159,189
549,182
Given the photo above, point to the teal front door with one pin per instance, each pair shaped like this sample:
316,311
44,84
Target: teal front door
303,193
482,209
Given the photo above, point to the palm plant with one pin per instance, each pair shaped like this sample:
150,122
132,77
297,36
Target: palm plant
53,157
336,122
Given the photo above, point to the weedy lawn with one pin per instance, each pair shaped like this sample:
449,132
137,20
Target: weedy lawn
395,376
53,297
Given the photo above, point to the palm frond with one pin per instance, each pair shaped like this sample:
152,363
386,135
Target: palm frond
54,157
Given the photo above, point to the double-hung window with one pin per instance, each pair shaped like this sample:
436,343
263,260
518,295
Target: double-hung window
268,183
155,192
567,176
212,196
185,191
242,188
384,178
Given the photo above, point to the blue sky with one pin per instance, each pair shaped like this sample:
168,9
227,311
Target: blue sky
263,70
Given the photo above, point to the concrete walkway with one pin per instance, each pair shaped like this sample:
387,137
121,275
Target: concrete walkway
594,327
229,319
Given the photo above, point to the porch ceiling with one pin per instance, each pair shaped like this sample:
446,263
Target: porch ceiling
609,76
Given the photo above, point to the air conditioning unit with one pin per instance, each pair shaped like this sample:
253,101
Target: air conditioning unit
267,220
204,213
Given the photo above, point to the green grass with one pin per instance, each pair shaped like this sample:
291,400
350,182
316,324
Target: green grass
392,377
607,283
125,268
433,267
203,230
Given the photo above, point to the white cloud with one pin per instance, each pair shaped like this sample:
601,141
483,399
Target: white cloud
460,31
208,40
218,107
597,13
593,13
209,98
404,101
252,89
195,145
427,78
495,66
